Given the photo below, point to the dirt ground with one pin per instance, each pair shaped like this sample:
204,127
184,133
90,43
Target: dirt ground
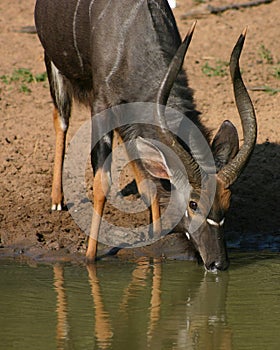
27,224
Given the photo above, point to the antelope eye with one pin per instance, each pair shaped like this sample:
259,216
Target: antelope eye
193,205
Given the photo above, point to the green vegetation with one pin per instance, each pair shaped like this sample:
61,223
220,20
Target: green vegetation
266,55
270,90
276,71
267,58
220,69
23,77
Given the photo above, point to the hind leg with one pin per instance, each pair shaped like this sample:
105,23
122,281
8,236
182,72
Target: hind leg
148,193
146,189
62,101
145,192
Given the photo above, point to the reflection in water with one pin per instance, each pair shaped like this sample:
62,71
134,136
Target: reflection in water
155,300
148,305
103,330
179,315
206,324
61,307
138,280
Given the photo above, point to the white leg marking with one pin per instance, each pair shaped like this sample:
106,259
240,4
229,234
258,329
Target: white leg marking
57,207
59,92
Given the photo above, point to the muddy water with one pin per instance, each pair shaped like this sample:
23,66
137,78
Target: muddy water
117,305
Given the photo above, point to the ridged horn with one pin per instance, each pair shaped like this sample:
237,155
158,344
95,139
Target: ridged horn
191,166
230,172
170,77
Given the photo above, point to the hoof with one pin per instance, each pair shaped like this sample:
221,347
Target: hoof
56,207
91,260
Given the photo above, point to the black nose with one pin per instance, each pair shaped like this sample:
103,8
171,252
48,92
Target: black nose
217,265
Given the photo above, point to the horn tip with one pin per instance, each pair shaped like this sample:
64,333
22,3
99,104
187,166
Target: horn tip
192,28
244,32
193,25
190,32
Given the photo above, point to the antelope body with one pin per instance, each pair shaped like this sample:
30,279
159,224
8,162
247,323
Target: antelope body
106,53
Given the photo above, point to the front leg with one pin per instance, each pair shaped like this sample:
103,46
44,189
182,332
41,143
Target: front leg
101,187
101,163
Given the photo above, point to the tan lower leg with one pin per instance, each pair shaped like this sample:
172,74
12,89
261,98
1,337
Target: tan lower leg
58,162
155,208
101,186
144,189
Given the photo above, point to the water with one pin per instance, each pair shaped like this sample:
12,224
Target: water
118,305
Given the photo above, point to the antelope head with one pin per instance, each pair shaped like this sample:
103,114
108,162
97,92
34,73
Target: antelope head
204,211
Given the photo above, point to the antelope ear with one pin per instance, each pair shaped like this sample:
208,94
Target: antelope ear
152,158
225,144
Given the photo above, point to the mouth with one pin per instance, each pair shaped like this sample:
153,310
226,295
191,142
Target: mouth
214,271
217,266
213,267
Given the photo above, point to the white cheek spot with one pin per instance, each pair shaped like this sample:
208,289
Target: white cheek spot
187,233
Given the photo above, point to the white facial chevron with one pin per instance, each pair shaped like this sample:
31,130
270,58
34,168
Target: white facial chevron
214,223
